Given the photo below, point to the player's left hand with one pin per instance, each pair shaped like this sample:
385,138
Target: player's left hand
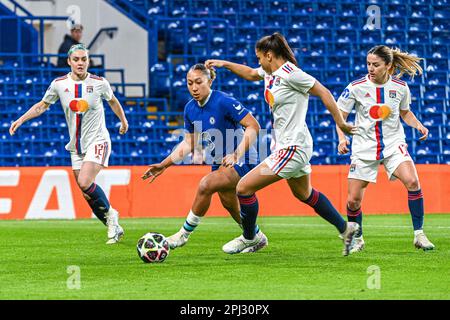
343,146
123,127
424,131
348,128
229,160
154,170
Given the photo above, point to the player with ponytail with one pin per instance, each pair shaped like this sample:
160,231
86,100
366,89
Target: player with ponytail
380,99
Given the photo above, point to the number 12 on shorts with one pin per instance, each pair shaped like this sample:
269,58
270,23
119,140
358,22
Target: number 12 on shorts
99,148
404,149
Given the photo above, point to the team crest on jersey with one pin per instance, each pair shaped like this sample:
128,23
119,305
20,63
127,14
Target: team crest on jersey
345,94
277,81
392,94
212,120
90,89
352,167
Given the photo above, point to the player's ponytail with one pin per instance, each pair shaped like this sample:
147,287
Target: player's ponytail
402,62
278,45
209,73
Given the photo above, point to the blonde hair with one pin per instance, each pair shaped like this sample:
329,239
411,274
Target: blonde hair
402,62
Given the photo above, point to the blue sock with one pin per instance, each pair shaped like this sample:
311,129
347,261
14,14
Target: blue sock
415,203
355,216
99,202
249,213
100,214
325,209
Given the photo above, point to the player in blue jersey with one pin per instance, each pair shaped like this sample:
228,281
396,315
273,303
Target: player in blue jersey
216,120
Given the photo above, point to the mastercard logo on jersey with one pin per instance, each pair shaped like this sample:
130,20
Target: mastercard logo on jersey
268,96
79,105
380,111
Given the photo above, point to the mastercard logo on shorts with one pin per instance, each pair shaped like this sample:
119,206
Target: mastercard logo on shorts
79,105
380,112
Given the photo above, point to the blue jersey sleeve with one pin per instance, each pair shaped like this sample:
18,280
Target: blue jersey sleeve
234,109
188,125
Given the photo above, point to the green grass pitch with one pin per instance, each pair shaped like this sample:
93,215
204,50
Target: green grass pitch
303,261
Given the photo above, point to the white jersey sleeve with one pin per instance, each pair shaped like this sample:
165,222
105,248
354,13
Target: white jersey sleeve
406,100
261,72
51,95
301,81
347,100
106,91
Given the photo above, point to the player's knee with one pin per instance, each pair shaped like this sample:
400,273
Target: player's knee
353,203
412,184
205,186
243,190
84,183
301,195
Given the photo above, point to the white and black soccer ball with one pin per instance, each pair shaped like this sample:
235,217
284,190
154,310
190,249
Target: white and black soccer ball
153,247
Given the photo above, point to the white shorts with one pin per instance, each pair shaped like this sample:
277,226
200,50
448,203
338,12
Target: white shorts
290,162
367,170
97,152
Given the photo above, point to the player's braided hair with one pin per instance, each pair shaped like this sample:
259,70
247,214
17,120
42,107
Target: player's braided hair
402,62
209,73
278,45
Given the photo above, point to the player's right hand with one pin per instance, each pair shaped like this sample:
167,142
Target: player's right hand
154,170
342,147
14,126
348,128
214,63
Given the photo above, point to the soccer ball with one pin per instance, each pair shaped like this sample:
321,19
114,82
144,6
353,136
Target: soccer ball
153,247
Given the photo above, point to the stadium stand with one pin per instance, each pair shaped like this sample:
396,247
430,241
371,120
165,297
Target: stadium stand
329,38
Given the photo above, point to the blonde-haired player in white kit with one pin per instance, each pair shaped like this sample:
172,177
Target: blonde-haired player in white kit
81,95
380,99
287,90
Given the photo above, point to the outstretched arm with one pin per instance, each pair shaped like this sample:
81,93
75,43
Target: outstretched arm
35,111
118,110
328,100
182,150
241,70
410,119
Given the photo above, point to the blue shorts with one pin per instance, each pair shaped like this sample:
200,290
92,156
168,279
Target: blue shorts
241,170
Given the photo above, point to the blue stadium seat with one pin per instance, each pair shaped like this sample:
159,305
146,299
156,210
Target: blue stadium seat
323,22
252,7
434,92
395,24
321,35
352,10
278,6
395,37
346,36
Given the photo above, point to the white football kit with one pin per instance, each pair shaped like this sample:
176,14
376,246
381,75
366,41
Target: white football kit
380,137
286,92
83,108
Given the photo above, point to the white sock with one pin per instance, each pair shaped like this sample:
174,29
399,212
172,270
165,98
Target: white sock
417,232
192,221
